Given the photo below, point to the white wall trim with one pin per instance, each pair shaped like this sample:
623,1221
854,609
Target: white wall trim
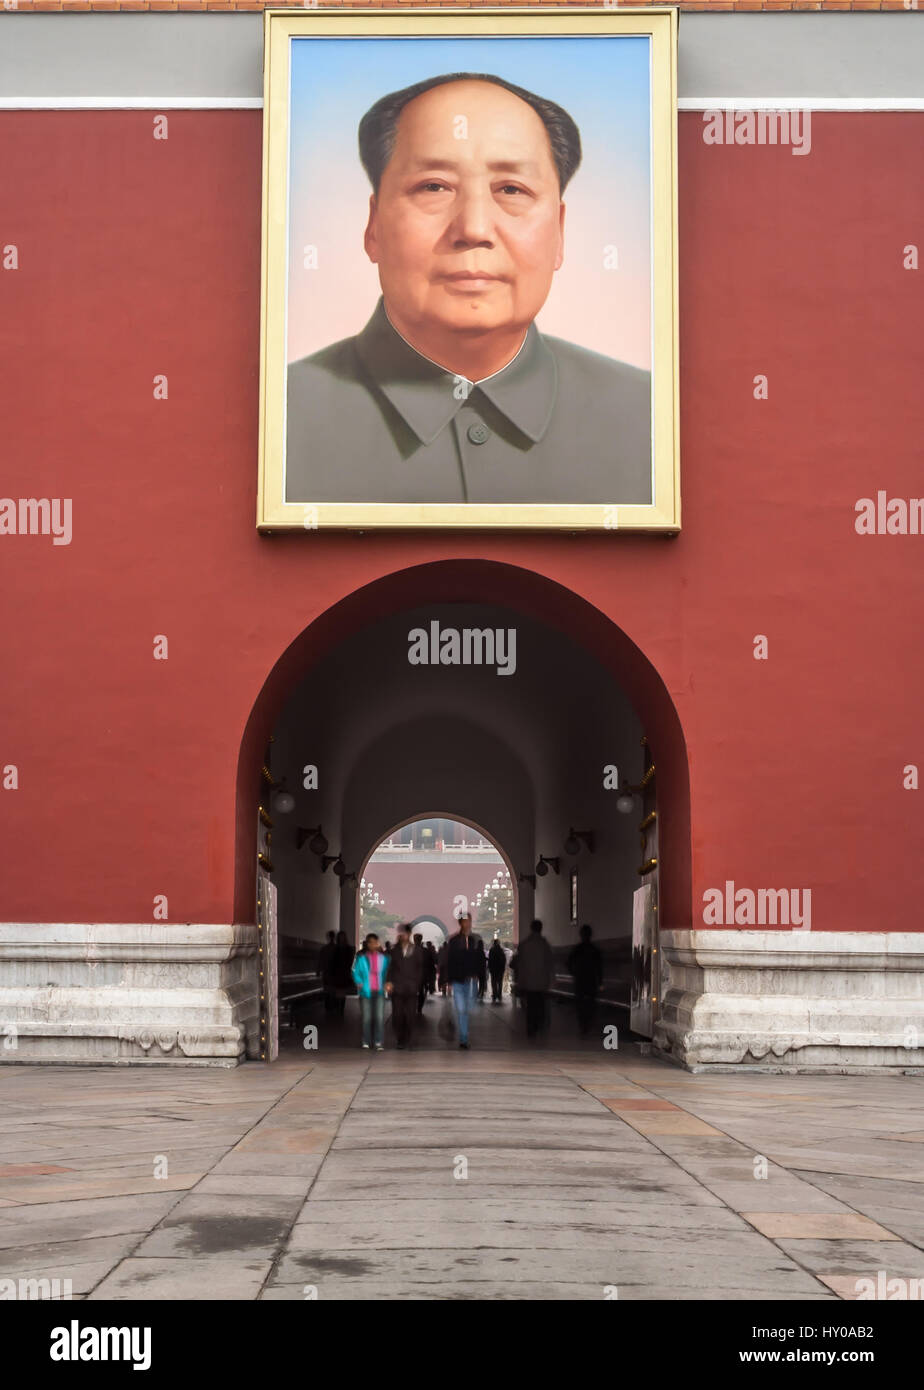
130,103
797,103
739,103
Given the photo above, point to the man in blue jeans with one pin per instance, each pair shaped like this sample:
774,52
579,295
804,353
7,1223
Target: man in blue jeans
463,967
369,971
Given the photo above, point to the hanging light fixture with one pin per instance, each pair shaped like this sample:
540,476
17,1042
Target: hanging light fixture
283,802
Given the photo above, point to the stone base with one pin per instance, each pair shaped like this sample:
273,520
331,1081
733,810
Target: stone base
792,1001
127,993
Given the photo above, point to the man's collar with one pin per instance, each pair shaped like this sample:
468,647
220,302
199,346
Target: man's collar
426,396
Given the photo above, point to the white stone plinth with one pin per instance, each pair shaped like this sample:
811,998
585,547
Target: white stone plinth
793,1001
132,992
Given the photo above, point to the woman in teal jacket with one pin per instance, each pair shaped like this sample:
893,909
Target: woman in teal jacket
369,971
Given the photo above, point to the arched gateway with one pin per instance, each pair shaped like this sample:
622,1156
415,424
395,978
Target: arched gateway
477,686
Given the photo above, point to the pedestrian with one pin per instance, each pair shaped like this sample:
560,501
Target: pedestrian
406,966
482,975
585,964
325,956
462,970
425,974
441,959
369,971
497,965
341,973
534,965
431,977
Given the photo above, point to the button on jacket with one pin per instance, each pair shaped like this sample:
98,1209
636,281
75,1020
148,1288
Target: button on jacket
369,419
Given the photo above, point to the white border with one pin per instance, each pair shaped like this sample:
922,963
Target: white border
738,103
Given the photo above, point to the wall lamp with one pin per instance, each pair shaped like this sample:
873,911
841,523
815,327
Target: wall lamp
545,863
282,800
337,861
573,842
527,878
625,802
317,842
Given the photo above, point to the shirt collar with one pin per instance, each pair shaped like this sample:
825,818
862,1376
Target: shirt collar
427,396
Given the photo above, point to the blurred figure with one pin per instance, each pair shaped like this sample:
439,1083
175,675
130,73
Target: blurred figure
369,971
463,968
341,972
441,962
585,964
497,965
534,969
405,975
482,971
429,971
325,956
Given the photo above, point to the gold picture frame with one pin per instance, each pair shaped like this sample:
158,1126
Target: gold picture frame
282,27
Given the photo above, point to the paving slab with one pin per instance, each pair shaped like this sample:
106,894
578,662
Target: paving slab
147,1279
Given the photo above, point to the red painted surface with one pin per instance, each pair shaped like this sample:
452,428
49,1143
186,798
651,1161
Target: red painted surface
140,257
417,890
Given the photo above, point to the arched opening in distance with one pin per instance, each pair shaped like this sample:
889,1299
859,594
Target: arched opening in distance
429,870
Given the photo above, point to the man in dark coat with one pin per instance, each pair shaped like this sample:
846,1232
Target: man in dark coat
497,964
585,964
464,961
406,972
341,977
451,393
534,971
325,958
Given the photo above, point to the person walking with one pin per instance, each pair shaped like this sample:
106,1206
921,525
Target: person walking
325,956
534,969
482,975
441,959
341,972
369,971
497,965
585,964
406,966
431,968
463,967
428,967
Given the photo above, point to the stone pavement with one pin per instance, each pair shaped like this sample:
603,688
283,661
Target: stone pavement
504,1172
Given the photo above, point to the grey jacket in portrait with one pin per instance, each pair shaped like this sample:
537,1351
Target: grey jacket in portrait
369,419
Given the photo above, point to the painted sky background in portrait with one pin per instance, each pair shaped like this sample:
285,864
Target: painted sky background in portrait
603,82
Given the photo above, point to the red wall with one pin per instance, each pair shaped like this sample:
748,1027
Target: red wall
416,890
140,257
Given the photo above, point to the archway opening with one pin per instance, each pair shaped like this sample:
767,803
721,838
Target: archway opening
366,736
431,870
